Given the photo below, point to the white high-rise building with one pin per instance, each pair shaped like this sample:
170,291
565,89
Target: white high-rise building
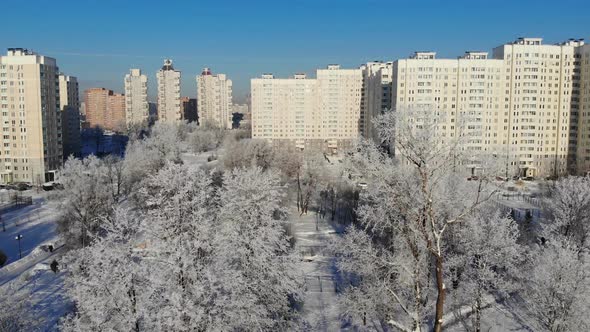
521,105
322,112
136,98
29,100
69,104
169,104
214,99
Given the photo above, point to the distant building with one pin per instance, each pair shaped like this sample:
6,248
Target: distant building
29,100
153,113
376,95
189,109
136,99
105,109
169,105
69,104
214,99
116,119
322,112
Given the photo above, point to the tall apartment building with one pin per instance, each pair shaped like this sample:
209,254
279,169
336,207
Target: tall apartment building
189,109
69,104
321,112
136,99
376,94
214,99
521,104
169,105
105,109
29,99
544,116
583,142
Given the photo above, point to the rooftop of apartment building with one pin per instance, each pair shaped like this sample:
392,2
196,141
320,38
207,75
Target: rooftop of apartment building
167,65
300,76
18,55
482,55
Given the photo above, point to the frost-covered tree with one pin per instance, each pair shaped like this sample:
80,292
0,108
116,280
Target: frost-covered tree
486,263
247,153
107,281
179,228
148,155
87,198
310,177
409,208
557,289
205,138
568,212
196,255
256,270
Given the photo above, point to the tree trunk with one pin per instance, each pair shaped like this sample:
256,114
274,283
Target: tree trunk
298,193
477,323
441,289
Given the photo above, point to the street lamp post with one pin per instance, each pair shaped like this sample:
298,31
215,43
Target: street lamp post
20,252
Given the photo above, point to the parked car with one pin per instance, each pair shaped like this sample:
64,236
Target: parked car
23,186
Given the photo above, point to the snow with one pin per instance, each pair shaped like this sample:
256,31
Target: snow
36,224
29,278
320,303
45,295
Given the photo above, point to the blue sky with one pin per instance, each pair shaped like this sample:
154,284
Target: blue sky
98,41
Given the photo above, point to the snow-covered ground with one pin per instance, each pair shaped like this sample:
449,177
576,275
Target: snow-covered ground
36,223
312,236
28,280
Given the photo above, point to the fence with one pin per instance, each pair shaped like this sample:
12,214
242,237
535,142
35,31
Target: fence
321,284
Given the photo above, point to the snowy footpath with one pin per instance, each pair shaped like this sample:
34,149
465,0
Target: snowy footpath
312,236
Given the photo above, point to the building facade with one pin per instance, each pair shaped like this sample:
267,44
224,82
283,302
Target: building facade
521,104
214,99
583,129
322,112
105,109
376,94
31,126
169,105
69,104
189,109
136,99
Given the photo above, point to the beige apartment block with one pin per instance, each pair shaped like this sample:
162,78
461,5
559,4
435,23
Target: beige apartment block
323,112
31,148
136,99
69,104
169,105
214,99
464,95
521,105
